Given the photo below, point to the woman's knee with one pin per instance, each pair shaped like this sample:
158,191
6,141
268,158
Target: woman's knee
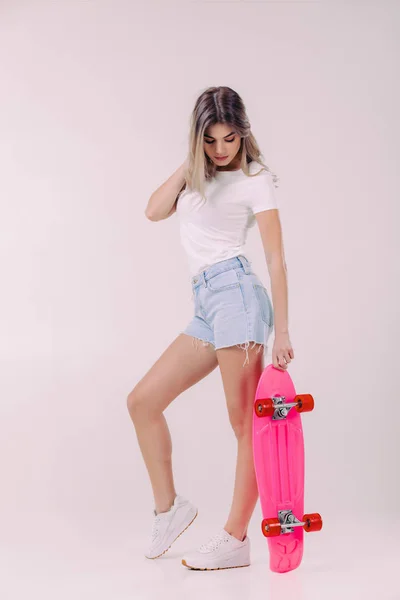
241,424
138,404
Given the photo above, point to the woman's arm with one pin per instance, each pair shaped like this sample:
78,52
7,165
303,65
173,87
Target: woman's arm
271,235
162,202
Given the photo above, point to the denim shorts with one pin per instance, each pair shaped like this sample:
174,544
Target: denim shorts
231,306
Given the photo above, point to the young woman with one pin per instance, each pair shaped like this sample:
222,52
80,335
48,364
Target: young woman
220,191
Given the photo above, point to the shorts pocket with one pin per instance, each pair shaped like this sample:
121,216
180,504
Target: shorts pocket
265,304
223,281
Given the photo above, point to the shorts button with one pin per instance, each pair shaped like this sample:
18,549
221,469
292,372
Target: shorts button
194,280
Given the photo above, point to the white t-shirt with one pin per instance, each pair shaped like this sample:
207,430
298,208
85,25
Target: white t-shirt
215,229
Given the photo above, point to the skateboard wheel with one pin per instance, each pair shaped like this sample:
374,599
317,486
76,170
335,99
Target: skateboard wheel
264,407
305,403
271,527
313,522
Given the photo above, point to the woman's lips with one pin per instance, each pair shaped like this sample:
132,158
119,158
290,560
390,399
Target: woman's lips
221,157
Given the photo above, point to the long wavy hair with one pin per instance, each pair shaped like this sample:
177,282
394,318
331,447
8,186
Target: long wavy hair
220,105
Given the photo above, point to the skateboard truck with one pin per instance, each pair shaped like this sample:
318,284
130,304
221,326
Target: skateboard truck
278,409
286,522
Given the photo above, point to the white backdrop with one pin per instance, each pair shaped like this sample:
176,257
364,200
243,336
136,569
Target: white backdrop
94,115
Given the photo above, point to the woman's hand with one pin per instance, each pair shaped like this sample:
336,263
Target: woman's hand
282,351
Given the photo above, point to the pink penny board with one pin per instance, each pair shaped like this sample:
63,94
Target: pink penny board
278,450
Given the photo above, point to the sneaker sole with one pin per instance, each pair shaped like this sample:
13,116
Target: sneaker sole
183,530
212,569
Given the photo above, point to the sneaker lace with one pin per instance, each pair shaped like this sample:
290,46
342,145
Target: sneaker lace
154,530
213,543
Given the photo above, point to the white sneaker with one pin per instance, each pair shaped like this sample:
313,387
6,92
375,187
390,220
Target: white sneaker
168,526
223,551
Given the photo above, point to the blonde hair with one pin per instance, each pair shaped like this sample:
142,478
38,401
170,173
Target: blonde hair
219,105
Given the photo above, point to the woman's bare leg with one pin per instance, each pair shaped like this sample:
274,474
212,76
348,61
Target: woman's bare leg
240,384
180,366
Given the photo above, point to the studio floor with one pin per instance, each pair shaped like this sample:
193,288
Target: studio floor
54,557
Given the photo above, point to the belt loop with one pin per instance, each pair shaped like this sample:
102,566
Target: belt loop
200,277
245,264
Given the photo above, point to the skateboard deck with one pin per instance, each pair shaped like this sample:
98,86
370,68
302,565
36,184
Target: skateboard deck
278,451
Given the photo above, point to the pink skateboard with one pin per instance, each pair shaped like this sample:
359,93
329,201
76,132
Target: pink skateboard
278,450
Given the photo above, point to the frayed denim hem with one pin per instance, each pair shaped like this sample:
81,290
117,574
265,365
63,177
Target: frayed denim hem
244,346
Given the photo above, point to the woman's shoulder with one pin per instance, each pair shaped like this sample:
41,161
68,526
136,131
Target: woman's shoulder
263,175
255,168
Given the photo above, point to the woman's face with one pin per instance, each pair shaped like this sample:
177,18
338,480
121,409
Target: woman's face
220,140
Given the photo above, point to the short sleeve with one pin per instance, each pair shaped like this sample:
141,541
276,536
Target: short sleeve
261,193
